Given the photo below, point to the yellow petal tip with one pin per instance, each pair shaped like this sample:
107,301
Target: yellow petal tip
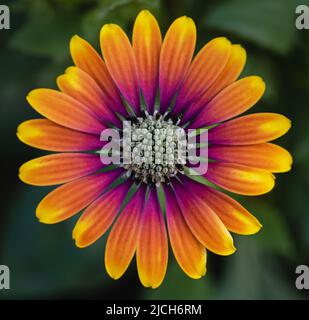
147,282
22,172
70,69
114,276
239,52
21,177
204,272
253,229
109,27
45,221
79,244
222,42
144,12
75,38
257,84
198,274
185,21
33,94
231,251
76,43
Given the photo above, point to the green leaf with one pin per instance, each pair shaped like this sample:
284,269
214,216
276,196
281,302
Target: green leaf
275,235
242,272
295,203
46,32
269,24
122,12
263,66
252,273
43,259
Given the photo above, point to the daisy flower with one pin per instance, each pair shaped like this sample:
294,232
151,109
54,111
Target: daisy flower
155,85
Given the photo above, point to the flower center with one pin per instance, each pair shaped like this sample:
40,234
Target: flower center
154,148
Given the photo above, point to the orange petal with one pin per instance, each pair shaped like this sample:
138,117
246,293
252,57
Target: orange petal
240,179
231,101
202,220
47,135
229,74
59,168
120,61
70,198
175,58
266,156
86,58
251,129
147,43
79,85
231,71
64,110
122,240
189,252
99,216
152,247
234,216
205,68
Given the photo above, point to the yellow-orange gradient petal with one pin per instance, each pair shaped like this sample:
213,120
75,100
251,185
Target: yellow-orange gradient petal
189,252
70,198
231,101
202,220
147,42
234,216
99,216
152,247
266,156
251,129
64,110
120,61
79,85
59,168
175,58
122,240
240,179
47,135
86,58
229,74
204,70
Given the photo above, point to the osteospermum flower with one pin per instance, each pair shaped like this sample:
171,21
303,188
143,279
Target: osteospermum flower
155,84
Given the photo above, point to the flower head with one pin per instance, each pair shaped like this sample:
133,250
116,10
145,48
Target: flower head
162,92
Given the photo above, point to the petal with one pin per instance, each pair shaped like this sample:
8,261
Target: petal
251,129
86,58
231,101
147,42
202,220
59,168
45,134
122,240
189,252
240,179
266,156
70,198
175,58
230,73
152,247
79,85
120,61
99,216
234,216
205,68
64,110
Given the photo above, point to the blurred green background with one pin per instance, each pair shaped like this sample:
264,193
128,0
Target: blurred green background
43,259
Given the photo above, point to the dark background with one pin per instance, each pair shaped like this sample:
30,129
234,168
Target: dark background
43,259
